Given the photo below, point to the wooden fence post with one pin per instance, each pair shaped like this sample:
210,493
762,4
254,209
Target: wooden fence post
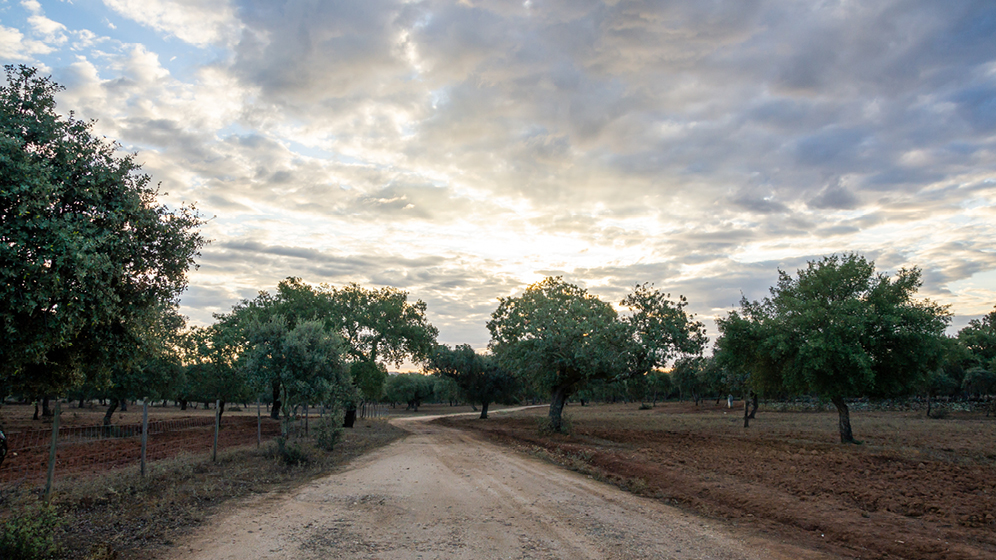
51,454
217,425
145,431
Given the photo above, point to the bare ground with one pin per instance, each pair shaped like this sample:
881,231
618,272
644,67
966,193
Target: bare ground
448,493
916,488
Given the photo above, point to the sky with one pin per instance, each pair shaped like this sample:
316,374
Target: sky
461,150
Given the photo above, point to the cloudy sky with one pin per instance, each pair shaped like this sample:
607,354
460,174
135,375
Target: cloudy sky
461,150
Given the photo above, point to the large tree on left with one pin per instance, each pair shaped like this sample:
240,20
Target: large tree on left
86,250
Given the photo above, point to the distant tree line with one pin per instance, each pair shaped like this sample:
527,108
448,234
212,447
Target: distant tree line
93,265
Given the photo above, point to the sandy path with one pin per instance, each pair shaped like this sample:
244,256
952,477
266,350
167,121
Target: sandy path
443,493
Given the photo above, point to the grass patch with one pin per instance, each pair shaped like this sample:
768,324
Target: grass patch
122,512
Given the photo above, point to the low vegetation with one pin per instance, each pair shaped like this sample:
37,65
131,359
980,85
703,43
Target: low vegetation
122,512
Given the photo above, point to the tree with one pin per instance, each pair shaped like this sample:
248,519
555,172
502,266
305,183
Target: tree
375,326
688,379
979,337
662,329
659,384
144,359
840,330
382,325
409,388
479,377
85,248
215,370
982,382
559,337
307,362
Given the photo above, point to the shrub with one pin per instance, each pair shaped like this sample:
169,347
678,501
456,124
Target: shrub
329,430
30,535
291,453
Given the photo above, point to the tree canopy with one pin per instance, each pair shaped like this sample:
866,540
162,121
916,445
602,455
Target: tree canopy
979,337
85,248
480,377
560,337
372,326
839,330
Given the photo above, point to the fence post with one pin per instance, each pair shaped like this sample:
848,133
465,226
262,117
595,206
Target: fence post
51,454
145,430
306,420
259,426
217,424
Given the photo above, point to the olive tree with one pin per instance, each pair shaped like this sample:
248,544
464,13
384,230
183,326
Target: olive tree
307,361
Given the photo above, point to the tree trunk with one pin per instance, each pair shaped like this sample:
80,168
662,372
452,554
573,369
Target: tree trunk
46,411
753,404
35,417
183,404
473,406
557,400
928,404
844,420
221,410
350,419
124,405
81,403
109,415
746,412
275,409
484,410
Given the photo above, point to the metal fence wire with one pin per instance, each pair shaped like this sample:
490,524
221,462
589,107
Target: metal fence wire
89,450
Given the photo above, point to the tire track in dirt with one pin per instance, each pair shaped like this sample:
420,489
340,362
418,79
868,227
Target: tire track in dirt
445,493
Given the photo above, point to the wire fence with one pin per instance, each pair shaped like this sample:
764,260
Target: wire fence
92,450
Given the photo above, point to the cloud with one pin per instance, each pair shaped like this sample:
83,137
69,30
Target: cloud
15,47
197,23
462,150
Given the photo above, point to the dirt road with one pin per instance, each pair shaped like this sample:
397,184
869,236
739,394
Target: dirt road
444,493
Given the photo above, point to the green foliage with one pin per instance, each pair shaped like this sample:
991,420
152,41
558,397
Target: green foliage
979,381
662,329
382,325
979,338
479,377
328,430
291,453
687,377
30,535
839,330
307,361
373,326
409,388
216,365
446,390
369,377
86,252
560,338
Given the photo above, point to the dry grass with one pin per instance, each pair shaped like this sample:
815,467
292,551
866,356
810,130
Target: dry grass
122,512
